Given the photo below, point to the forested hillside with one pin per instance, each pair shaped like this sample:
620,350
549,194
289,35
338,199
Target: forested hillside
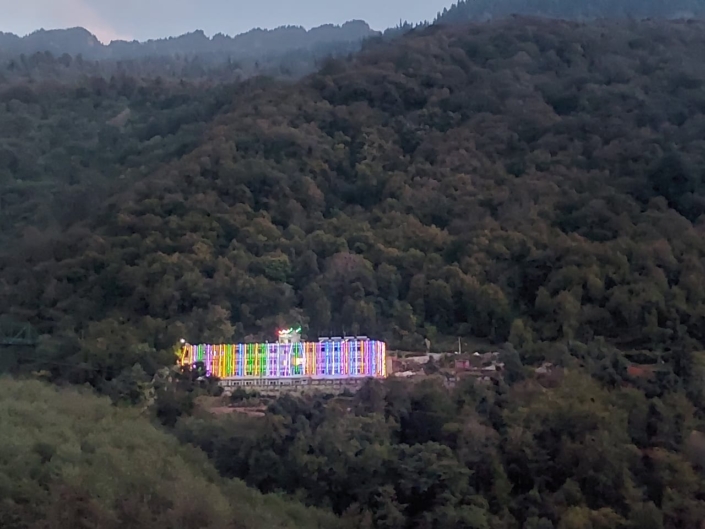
70,460
21,70
565,452
61,144
537,187
76,56
465,10
530,183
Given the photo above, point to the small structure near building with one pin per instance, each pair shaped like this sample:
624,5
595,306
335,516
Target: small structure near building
545,369
479,365
424,359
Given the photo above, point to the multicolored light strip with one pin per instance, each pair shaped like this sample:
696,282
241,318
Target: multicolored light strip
325,359
287,332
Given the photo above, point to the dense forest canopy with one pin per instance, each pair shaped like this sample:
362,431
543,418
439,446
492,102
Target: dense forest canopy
536,185
76,56
205,67
66,147
527,180
70,460
565,453
465,10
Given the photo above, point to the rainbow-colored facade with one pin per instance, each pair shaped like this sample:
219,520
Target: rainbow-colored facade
331,359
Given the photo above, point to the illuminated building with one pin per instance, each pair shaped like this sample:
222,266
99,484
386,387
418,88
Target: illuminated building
290,358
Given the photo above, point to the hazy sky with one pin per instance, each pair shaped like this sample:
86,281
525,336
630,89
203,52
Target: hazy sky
144,19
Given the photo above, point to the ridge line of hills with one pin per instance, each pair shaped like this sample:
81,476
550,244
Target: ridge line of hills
285,39
257,41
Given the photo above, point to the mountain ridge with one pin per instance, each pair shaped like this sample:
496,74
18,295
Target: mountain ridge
78,40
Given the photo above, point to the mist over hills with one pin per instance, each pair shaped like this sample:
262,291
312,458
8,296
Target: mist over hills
256,42
287,39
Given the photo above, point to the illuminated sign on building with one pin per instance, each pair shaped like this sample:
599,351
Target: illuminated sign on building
327,358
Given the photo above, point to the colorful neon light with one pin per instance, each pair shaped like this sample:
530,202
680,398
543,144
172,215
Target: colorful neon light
326,359
287,332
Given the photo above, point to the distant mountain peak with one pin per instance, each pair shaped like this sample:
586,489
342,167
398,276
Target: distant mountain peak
79,40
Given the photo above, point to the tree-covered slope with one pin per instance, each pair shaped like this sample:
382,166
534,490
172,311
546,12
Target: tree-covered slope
537,181
71,460
65,147
465,10
74,54
562,452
